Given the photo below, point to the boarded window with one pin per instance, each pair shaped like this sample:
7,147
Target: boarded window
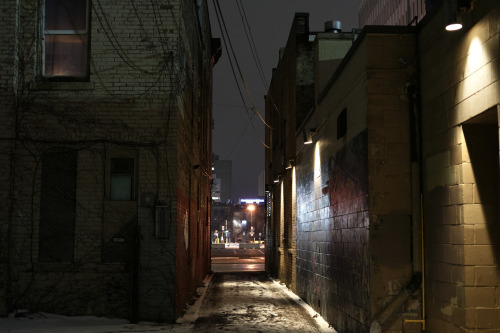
57,207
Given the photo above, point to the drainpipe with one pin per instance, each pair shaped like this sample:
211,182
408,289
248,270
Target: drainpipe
412,95
416,195
417,228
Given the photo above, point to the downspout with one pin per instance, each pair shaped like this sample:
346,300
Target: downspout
418,277
417,190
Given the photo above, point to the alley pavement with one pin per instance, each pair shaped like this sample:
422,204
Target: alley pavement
252,302
225,302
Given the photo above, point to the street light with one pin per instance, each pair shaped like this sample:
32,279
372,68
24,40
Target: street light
251,208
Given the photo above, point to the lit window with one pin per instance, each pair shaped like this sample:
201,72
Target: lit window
122,179
65,38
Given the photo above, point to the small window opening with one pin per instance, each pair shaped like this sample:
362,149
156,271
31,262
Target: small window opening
122,179
342,124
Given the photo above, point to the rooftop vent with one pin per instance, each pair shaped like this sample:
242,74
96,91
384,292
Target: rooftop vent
333,26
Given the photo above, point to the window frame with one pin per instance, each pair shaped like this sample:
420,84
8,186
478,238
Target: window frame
342,124
86,46
133,179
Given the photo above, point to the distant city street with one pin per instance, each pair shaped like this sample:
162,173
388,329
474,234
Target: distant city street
234,259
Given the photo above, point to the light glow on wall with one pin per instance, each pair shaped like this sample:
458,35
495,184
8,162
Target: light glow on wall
475,58
317,172
282,214
476,91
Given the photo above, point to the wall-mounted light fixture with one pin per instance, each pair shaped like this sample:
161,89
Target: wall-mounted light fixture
289,164
452,18
308,135
277,179
453,10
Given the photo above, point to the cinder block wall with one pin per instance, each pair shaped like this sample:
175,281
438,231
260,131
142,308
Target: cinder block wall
328,254
460,74
353,190
391,69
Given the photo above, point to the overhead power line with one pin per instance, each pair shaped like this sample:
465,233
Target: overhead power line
227,42
251,42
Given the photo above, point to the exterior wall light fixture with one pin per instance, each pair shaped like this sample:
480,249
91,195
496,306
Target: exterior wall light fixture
277,179
308,135
453,10
289,164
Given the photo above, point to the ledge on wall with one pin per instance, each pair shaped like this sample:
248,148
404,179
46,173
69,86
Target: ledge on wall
50,85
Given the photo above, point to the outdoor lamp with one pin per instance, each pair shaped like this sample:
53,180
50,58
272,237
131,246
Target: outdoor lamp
308,134
453,20
452,13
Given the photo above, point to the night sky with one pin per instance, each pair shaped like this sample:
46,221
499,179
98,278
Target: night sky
270,22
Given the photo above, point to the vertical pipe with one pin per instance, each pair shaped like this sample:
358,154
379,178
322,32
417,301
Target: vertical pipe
423,263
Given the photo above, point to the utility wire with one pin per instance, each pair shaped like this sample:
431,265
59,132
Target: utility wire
224,32
251,42
239,139
236,61
253,48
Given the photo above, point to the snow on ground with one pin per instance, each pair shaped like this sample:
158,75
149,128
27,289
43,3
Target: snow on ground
50,323
322,324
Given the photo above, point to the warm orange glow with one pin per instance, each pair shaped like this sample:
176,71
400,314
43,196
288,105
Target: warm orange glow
251,207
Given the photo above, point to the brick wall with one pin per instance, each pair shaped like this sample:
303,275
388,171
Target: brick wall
7,62
392,12
140,100
289,99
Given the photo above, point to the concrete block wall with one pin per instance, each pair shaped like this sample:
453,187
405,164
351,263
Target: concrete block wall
460,73
329,249
332,237
353,192
390,176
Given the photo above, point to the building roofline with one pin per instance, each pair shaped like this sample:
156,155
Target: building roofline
369,29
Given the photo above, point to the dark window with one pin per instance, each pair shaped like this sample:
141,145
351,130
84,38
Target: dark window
342,124
122,179
65,38
57,207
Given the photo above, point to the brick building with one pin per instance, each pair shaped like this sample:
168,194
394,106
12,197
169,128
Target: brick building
403,153
105,156
392,12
